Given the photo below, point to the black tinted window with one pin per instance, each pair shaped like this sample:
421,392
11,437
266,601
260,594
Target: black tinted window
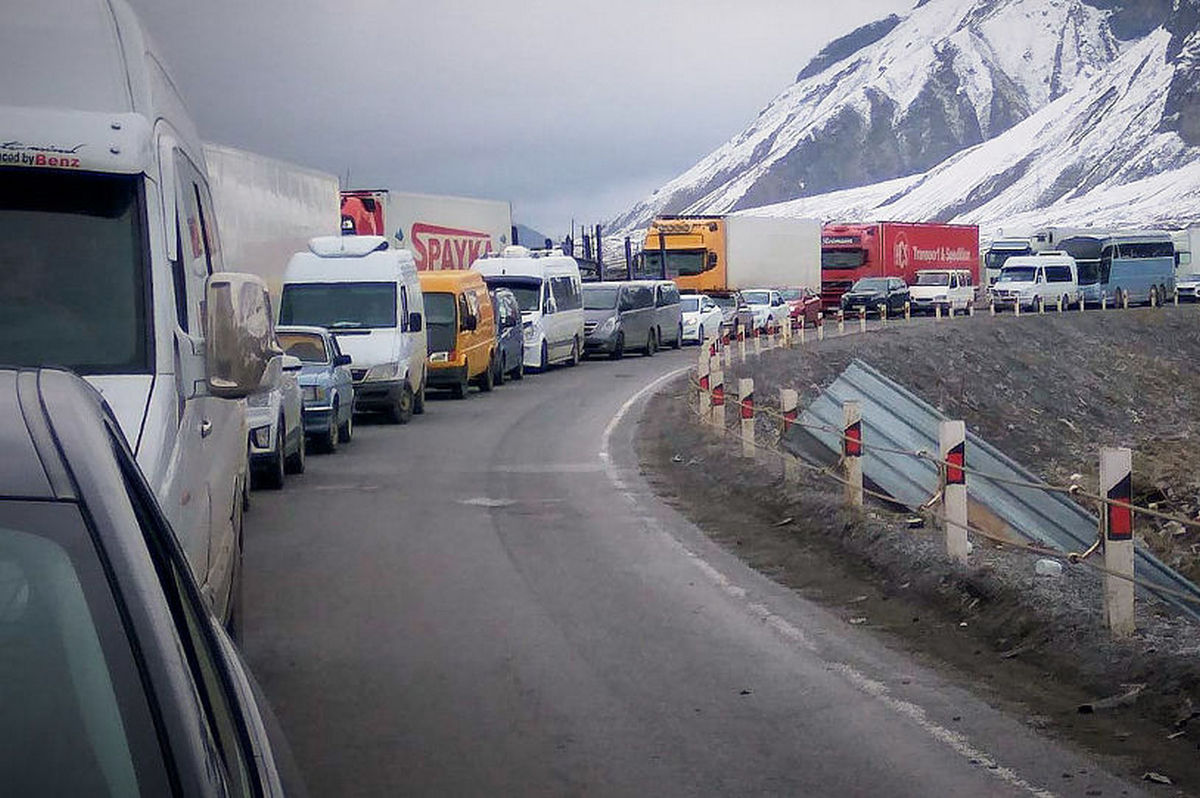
641,296
566,293
1058,274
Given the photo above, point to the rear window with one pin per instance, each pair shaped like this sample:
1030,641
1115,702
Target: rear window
309,347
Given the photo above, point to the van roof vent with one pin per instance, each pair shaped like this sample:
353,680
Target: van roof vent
346,246
515,251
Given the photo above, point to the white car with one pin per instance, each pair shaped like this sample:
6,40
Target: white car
701,317
276,423
1188,287
768,306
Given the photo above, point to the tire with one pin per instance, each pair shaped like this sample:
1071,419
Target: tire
487,380
544,362
574,359
678,342
328,440
418,403
271,475
618,348
459,389
346,429
501,369
700,332
519,372
295,462
648,351
402,411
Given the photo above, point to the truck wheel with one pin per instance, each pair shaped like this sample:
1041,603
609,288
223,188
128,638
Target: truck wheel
346,428
618,348
487,380
294,464
401,412
418,403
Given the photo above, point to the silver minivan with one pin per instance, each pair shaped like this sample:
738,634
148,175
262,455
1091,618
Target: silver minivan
620,316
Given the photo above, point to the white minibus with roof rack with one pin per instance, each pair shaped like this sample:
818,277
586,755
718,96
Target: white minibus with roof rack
549,289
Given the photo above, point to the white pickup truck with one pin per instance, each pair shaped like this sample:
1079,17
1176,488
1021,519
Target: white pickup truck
113,267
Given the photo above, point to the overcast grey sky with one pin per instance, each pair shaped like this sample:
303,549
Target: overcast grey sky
565,108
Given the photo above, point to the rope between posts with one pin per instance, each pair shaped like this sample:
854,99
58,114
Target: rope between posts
1070,490
1073,558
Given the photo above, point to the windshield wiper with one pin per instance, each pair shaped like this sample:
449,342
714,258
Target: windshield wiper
342,325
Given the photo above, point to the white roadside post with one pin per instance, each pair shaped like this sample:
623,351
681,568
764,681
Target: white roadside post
1081,303
1176,297
1116,484
821,325
717,413
789,406
1060,305
1104,300
937,311
757,342
703,367
746,406
862,319
952,436
883,314
907,310
841,322
1124,300
1017,306
992,307
800,330
852,452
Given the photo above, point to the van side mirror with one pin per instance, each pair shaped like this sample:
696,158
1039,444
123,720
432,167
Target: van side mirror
414,322
241,354
342,360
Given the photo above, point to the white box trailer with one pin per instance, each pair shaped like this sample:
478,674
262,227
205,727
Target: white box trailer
1187,247
443,232
772,252
268,210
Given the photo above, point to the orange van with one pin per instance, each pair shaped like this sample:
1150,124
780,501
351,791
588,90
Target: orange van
460,329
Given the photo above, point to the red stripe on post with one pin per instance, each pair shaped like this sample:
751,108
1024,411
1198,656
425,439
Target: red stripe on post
704,383
789,418
718,395
852,440
956,460
747,403
1120,519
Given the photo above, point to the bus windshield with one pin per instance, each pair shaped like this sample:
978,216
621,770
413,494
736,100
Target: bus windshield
73,256
1017,274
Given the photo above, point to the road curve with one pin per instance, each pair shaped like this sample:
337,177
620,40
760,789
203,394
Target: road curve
490,602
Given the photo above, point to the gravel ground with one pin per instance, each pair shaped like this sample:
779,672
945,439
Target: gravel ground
1049,391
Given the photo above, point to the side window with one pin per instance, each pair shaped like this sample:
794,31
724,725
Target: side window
192,233
192,623
464,310
624,299
643,297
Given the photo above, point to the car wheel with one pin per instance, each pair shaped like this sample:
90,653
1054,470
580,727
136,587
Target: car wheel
328,440
519,372
346,428
486,381
618,348
648,350
574,361
700,333
270,475
678,337
294,464
401,412
544,362
501,370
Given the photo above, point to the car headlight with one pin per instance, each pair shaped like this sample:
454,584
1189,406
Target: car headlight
261,436
314,393
532,328
608,326
260,399
384,371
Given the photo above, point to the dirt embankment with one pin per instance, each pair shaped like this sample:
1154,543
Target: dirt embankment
1049,391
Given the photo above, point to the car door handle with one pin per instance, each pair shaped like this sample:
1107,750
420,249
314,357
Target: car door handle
206,428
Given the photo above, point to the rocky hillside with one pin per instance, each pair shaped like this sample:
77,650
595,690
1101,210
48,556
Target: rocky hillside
917,95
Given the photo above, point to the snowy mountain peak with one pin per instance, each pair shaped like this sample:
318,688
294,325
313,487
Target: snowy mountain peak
896,98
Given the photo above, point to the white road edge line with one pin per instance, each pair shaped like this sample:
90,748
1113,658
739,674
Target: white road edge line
956,742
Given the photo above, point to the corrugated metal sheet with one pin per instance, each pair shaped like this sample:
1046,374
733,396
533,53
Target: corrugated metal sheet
894,418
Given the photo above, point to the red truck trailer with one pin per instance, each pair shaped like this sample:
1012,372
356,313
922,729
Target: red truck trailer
892,249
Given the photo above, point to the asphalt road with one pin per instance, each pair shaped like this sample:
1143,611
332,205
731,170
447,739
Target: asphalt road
490,602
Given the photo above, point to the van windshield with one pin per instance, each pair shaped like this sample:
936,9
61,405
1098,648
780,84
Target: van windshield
1017,274
599,298
73,272
441,321
339,306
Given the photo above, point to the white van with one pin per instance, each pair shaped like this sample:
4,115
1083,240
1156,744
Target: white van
549,289
1038,281
367,294
948,289
110,264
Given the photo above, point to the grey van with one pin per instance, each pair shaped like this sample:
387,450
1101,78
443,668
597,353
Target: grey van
668,314
617,316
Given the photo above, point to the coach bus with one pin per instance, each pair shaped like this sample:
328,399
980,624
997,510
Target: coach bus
1134,267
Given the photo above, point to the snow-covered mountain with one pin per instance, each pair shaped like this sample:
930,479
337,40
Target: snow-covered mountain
974,110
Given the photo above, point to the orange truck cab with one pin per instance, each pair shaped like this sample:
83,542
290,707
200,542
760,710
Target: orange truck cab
461,330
